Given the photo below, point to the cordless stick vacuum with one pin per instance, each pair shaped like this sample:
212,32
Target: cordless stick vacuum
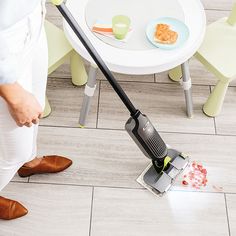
167,163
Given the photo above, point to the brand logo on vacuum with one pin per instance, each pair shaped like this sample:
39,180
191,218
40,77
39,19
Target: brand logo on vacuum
146,125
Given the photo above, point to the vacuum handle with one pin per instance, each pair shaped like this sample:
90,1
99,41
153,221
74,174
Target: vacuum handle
92,51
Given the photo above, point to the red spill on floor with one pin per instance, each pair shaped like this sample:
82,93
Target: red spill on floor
184,182
196,176
218,188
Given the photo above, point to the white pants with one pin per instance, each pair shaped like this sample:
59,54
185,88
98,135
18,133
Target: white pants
18,144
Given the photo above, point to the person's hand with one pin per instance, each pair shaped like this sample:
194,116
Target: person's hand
22,105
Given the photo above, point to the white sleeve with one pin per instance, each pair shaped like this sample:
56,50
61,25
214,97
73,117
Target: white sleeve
8,63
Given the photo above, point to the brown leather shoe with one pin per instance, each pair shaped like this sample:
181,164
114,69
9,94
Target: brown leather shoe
10,209
49,164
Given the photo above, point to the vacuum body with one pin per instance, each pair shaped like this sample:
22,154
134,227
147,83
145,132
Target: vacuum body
146,137
166,163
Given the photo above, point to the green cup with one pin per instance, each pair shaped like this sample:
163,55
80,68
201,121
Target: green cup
120,26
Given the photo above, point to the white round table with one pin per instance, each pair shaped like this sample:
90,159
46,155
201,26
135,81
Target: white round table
137,56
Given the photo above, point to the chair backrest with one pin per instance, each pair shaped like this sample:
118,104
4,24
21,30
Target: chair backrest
232,18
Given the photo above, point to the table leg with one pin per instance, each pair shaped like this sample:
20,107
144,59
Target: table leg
187,84
90,88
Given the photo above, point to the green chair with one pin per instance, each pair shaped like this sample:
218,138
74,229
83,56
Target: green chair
59,51
218,55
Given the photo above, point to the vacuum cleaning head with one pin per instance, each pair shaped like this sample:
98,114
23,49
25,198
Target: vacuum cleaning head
166,164
160,182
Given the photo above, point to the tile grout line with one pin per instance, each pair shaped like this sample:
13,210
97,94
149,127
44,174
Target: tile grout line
158,82
98,104
216,9
227,214
129,81
213,117
117,187
215,125
160,131
91,213
168,82
145,82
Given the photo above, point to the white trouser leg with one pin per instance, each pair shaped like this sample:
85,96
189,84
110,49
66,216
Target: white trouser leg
18,144
39,74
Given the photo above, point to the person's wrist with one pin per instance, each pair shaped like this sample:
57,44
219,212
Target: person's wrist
10,93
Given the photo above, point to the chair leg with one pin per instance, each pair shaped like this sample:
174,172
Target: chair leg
215,101
187,86
88,95
175,74
78,72
47,109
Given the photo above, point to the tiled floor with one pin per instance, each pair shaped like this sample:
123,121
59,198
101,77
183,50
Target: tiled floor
54,210
98,195
231,209
120,212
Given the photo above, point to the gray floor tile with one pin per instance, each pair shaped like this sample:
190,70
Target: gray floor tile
231,207
213,15
62,71
100,157
66,100
53,210
124,77
111,158
53,15
125,212
17,178
163,103
218,4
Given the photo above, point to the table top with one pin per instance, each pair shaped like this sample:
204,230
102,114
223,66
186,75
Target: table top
140,17
137,56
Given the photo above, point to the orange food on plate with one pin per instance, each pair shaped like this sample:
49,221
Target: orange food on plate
165,35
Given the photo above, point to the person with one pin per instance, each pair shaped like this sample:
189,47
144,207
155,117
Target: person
23,76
